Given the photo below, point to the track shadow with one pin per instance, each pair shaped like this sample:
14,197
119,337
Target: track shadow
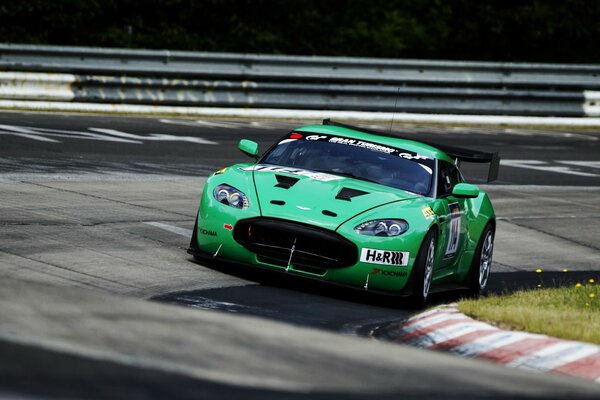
296,300
301,284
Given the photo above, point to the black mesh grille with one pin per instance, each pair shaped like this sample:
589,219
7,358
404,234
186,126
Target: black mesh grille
313,247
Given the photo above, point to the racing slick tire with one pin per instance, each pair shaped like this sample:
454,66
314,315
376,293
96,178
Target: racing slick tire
482,262
423,271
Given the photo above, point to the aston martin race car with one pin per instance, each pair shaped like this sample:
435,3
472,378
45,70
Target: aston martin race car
354,207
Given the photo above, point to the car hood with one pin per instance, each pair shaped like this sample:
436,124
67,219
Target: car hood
316,198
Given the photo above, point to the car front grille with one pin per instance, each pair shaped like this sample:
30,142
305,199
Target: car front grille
314,249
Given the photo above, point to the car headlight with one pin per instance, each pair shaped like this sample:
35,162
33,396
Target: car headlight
382,227
231,196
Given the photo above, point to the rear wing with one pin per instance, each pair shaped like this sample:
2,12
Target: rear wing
458,153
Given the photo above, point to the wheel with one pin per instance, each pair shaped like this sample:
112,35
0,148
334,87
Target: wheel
482,262
423,271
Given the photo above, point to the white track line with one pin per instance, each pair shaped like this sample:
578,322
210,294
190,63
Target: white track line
544,166
171,228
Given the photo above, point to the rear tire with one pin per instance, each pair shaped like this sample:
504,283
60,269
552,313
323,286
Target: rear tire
423,271
482,262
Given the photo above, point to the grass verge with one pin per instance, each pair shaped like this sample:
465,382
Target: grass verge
571,312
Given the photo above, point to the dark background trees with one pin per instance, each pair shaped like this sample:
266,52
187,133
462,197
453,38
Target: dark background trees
528,30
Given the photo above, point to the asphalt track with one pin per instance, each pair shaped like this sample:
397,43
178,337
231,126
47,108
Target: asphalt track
95,213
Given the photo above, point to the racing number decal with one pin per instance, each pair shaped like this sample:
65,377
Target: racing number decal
454,232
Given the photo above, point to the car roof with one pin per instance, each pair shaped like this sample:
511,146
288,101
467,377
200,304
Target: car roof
406,144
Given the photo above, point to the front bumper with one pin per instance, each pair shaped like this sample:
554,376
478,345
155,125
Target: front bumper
317,253
210,259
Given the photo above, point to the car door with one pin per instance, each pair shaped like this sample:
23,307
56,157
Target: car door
452,215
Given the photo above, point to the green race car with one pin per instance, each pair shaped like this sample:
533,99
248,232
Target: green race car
353,207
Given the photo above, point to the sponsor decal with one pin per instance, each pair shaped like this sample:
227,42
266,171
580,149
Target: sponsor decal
206,232
219,172
395,274
454,230
384,257
427,212
315,137
409,156
229,227
363,144
295,135
318,176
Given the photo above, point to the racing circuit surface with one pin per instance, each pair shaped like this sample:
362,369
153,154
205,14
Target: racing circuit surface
96,213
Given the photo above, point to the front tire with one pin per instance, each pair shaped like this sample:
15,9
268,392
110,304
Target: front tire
482,262
423,271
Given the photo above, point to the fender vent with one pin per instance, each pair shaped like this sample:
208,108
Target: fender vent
278,202
329,213
285,182
347,194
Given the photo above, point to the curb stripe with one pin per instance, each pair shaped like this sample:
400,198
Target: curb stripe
577,352
455,331
422,316
450,344
508,353
447,329
422,331
430,321
547,358
488,343
588,367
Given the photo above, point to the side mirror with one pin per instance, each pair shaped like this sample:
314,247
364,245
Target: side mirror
465,191
248,147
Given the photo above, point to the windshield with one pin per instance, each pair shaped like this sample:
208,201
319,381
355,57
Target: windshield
355,158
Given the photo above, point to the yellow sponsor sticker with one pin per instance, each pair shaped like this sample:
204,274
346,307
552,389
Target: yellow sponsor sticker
221,171
427,212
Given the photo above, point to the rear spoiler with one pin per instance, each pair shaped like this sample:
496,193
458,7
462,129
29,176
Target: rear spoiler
458,153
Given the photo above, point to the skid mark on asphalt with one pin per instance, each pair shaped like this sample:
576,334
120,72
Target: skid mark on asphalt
70,270
103,198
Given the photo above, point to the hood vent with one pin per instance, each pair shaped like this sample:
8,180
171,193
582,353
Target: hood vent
347,194
285,182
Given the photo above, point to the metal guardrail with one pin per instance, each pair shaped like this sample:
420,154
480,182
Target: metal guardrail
334,83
